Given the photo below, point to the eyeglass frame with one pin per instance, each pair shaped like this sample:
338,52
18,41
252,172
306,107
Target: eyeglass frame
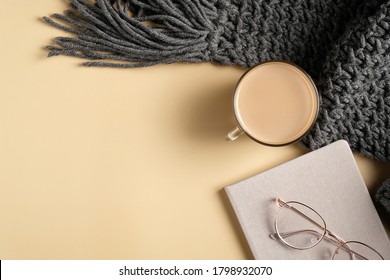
332,237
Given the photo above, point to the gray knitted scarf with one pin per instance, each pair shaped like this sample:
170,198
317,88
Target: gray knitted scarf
344,45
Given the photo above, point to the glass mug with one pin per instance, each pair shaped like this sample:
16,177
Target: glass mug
275,103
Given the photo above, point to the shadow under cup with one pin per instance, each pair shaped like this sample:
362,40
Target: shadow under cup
275,103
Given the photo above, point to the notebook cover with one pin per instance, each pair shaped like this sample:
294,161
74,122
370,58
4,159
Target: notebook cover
329,181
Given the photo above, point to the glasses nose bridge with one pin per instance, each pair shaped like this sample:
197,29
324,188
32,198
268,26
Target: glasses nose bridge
331,234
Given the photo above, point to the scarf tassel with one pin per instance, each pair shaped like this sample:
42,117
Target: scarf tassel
133,33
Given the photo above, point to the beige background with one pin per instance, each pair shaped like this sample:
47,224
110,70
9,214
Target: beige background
119,164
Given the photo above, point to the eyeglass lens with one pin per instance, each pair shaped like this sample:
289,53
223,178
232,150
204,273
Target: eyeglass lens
299,226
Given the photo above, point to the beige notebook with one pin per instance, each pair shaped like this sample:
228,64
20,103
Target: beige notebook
327,180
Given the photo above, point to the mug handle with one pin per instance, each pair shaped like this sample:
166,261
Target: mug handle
234,134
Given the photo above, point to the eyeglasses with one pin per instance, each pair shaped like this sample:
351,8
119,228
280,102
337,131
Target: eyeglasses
300,227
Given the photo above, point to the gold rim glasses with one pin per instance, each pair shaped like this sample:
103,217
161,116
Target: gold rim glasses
300,227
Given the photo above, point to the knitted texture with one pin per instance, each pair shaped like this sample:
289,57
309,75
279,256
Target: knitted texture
343,45
382,196
355,88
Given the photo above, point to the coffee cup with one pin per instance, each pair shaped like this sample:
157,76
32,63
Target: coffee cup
275,103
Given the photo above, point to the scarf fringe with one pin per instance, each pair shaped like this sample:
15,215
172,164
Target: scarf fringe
135,33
